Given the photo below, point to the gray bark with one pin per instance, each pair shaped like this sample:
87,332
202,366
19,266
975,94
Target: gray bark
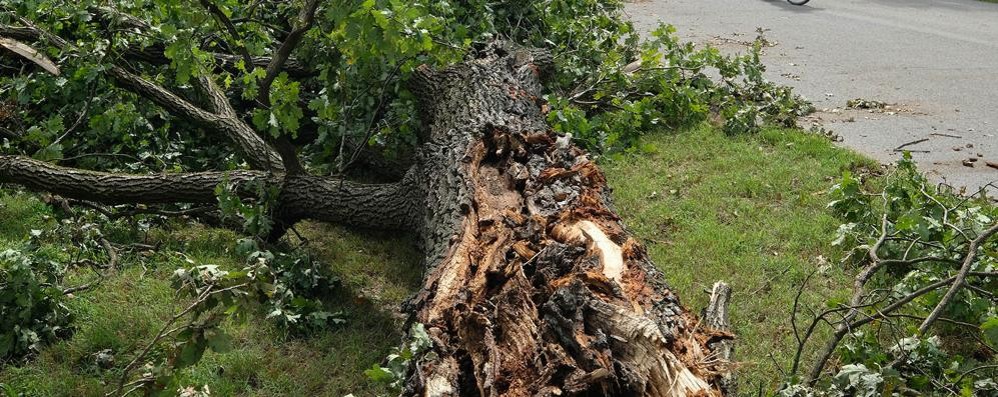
260,154
380,206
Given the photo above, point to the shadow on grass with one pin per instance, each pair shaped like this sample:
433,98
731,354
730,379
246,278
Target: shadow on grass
378,271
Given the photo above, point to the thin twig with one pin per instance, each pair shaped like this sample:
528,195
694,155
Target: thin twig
793,323
223,20
159,336
900,147
378,111
961,276
972,370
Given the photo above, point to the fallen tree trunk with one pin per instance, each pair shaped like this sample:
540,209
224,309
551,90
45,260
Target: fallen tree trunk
533,287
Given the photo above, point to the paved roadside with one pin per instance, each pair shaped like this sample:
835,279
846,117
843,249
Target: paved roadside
934,63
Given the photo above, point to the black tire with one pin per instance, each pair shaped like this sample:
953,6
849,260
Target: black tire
798,2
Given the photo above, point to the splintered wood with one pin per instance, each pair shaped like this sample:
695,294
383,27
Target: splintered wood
544,293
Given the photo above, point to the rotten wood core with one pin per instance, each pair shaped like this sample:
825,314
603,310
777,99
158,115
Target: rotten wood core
544,293
533,286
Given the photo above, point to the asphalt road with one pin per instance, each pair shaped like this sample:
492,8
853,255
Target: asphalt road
936,61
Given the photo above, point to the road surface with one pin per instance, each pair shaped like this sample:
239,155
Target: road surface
935,61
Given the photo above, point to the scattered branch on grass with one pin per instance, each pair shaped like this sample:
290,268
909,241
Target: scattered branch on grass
112,253
926,250
208,292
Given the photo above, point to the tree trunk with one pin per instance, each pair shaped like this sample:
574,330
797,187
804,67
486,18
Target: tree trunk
533,286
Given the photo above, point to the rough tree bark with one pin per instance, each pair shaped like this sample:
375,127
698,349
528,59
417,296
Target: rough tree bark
532,288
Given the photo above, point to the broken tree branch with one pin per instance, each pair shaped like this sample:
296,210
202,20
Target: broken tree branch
257,151
29,53
388,206
306,17
906,144
961,277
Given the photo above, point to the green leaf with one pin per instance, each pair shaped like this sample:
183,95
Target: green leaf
220,342
190,354
379,374
990,330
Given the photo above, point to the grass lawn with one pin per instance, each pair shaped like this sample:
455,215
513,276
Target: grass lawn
749,210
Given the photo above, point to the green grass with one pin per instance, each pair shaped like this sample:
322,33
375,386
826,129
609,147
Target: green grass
125,311
748,210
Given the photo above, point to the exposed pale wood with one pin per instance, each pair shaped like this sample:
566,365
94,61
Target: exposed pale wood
29,53
716,316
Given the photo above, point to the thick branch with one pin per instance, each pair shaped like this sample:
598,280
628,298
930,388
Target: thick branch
377,206
161,96
388,206
112,17
117,188
285,149
18,33
217,102
257,152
